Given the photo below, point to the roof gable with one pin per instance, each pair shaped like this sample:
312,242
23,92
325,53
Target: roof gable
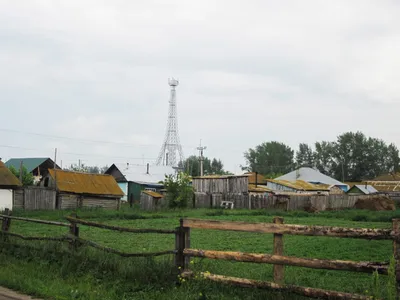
7,178
86,183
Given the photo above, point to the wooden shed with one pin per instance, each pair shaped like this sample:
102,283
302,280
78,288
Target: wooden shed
150,200
77,190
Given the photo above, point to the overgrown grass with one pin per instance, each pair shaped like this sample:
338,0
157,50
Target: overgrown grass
134,279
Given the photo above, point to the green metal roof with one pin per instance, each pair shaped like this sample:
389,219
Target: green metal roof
29,163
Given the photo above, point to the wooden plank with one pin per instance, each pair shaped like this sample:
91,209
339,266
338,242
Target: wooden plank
187,245
339,265
279,270
298,290
37,221
362,233
396,253
117,228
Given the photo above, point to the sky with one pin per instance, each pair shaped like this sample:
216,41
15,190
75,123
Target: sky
90,78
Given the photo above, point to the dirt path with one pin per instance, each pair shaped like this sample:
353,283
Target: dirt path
6,294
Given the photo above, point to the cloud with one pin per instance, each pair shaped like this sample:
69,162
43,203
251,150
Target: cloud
289,71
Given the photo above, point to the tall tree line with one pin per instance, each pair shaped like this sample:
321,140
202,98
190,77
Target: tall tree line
352,157
191,166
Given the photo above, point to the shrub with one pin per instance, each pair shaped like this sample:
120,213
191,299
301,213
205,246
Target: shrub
179,192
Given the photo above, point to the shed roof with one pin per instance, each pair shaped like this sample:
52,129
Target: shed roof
388,177
252,178
30,163
366,189
7,178
310,175
220,176
385,186
86,183
258,189
153,194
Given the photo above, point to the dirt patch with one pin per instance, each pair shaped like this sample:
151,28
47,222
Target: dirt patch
375,203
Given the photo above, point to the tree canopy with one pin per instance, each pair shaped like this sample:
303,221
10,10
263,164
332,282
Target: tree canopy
27,178
270,159
87,169
191,166
351,157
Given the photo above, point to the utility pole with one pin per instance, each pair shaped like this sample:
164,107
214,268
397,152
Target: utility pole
201,149
55,171
20,171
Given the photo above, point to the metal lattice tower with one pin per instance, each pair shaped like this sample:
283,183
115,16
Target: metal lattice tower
171,145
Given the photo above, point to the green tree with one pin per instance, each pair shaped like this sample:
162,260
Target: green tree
27,178
191,166
355,157
179,191
269,158
304,156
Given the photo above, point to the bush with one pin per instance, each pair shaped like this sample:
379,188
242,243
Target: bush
179,192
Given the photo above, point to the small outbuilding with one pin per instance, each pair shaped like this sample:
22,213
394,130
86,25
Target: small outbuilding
359,189
150,200
77,190
8,184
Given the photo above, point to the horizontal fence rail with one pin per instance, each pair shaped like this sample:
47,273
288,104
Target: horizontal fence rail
299,290
36,221
342,232
117,228
342,265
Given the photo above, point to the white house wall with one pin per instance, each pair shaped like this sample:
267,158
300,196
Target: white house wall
124,188
6,199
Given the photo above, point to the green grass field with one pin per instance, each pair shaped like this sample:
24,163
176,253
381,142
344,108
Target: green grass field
49,270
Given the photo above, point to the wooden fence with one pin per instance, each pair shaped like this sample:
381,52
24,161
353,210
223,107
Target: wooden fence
182,251
34,198
278,228
290,202
72,236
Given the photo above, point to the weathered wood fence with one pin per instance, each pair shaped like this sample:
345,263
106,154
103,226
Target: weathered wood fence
277,258
183,252
35,198
73,238
289,202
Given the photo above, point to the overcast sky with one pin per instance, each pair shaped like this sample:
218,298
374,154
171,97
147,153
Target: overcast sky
250,71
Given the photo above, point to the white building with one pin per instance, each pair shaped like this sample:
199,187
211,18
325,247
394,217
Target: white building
8,183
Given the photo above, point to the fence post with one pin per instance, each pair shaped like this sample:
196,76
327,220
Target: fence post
187,245
396,252
74,234
180,246
5,225
279,270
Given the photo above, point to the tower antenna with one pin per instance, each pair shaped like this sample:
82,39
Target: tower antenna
171,145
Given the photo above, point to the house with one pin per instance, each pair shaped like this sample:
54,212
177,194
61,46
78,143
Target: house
77,190
150,200
8,183
362,189
133,179
312,176
38,166
280,186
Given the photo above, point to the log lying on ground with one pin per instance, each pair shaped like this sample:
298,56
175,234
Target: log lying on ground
117,228
342,265
303,291
362,233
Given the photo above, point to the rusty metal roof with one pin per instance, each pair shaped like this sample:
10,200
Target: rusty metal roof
7,178
299,185
86,183
153,194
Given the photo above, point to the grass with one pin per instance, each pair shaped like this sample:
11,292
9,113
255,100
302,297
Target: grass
42,270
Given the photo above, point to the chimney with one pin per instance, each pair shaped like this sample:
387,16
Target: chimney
147,172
